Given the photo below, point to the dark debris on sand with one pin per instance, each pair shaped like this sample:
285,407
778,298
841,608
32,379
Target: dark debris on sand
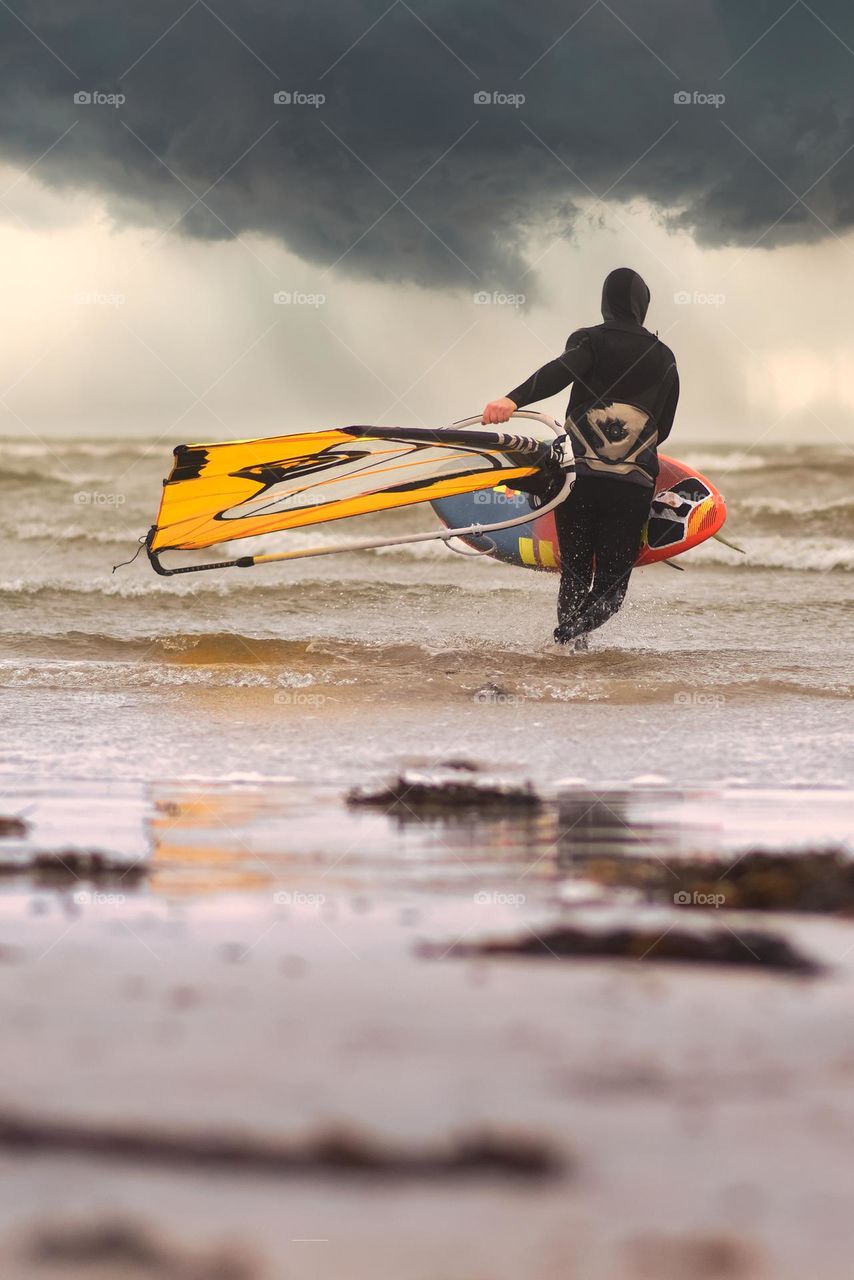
324,1153
448,791
12,827
656,1256
120,1248
815,880
719,946
71,866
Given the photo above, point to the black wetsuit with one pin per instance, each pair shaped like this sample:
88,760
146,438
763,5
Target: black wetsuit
625,388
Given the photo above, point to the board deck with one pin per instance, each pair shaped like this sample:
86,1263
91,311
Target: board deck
687,509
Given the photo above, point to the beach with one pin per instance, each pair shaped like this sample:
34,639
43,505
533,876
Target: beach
348,928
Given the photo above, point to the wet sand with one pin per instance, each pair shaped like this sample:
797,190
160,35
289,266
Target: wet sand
266,1040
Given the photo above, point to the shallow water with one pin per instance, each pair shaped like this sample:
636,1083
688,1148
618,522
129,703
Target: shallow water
736,672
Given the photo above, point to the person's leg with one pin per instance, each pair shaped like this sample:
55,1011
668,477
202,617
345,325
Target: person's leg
620,511
574,521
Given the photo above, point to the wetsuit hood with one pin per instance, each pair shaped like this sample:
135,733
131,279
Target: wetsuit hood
625,297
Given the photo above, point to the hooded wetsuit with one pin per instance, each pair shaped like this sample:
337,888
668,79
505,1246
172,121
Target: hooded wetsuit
625,388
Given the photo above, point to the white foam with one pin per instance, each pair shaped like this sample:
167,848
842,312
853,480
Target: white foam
87,682
36,530
735,460
435,550
54,448
236,779
810,555
124,588
807,507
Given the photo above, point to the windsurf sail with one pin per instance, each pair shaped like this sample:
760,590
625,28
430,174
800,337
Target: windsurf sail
245,488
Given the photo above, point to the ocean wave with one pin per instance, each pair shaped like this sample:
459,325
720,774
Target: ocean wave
308,595
83,681
110,448
54,474
38,531
109,586
710,463
434,550
356,673
139,588
814,506
807,520
215,648
789,554
717,464
297,595
12,476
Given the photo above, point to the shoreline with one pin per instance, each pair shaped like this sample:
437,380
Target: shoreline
269,1047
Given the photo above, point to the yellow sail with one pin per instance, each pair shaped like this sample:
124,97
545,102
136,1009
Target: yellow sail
242,488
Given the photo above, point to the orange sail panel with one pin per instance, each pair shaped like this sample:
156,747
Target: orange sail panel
242,488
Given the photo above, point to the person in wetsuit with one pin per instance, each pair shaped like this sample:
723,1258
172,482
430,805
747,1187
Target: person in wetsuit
625,388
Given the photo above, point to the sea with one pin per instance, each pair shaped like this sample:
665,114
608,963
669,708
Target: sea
734,674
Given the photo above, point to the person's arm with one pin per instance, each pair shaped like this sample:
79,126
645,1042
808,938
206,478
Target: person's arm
574,363
668,412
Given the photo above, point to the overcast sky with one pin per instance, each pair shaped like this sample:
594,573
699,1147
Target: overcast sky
185,256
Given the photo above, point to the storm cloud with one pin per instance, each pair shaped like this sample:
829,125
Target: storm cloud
432,140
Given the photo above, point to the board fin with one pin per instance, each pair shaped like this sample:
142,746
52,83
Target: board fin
726,542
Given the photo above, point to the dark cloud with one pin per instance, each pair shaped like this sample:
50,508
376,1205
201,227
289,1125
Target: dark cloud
401,173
